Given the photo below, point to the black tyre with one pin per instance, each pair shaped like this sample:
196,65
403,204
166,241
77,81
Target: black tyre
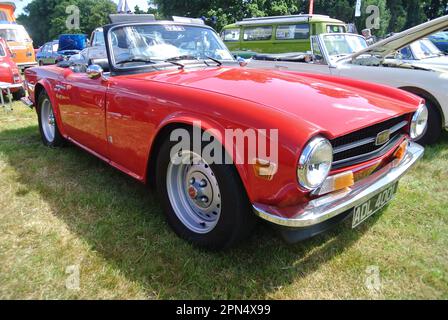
18,94
434,128
204,204
48,127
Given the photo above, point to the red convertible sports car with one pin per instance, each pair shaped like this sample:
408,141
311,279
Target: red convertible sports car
223,144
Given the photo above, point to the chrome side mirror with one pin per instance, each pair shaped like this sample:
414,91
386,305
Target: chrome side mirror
242,62
94,71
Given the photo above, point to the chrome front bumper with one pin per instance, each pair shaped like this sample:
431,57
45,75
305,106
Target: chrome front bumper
327,207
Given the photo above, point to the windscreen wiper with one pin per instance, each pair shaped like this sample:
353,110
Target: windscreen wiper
135,60
180,65
215,60
174,60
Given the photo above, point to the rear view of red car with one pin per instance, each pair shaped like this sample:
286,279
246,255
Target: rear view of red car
9,72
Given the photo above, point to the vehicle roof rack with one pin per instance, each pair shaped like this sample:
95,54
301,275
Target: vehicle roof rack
124,18
188,20
281,19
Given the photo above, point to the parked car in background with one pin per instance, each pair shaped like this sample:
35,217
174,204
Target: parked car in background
9,72
96,49
20,44
440,40
60,50
422,52
343,145
277,34
348,55
48,54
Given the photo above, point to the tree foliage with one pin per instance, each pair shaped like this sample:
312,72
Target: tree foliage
46,19
395,15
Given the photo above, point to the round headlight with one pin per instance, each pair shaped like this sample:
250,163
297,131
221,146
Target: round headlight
315,163
419,122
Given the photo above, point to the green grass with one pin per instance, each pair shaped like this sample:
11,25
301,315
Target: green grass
64,207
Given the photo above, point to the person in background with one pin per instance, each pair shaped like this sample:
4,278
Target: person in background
367,33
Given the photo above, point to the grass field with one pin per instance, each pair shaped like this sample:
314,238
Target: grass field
63,211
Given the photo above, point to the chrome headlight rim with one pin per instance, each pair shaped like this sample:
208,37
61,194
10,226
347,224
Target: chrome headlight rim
421,114
310,149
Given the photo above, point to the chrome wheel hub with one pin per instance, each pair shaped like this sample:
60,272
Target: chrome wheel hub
51,119
194,192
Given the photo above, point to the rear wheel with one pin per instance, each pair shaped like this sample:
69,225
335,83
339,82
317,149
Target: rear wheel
205,204
48,127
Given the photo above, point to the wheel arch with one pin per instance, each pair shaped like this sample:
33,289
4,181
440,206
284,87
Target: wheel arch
187,123
428,97
37,91
40,87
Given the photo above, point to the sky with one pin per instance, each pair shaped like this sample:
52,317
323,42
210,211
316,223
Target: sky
143,4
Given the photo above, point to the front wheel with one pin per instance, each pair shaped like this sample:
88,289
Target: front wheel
49,131
205,204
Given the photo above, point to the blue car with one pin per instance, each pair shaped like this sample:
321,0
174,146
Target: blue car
440,40
62,49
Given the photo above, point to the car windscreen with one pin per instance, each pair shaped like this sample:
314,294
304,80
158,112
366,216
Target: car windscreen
425,49
341,45
14,34
133,46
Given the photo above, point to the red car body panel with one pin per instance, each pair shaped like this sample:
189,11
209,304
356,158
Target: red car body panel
118,119
9,72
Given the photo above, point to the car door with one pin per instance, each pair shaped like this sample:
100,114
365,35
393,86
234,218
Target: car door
42,53
130,119
48,53
82,103
53,53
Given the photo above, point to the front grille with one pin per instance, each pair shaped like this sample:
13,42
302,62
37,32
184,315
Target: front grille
362,145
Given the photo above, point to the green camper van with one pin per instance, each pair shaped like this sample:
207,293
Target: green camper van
277,34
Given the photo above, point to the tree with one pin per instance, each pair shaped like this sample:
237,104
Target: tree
435,8
93,14
37,19
137,10
226,11
398,15
47,19
415,13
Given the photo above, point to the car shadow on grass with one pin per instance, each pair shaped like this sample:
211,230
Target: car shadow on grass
120,219
434,151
